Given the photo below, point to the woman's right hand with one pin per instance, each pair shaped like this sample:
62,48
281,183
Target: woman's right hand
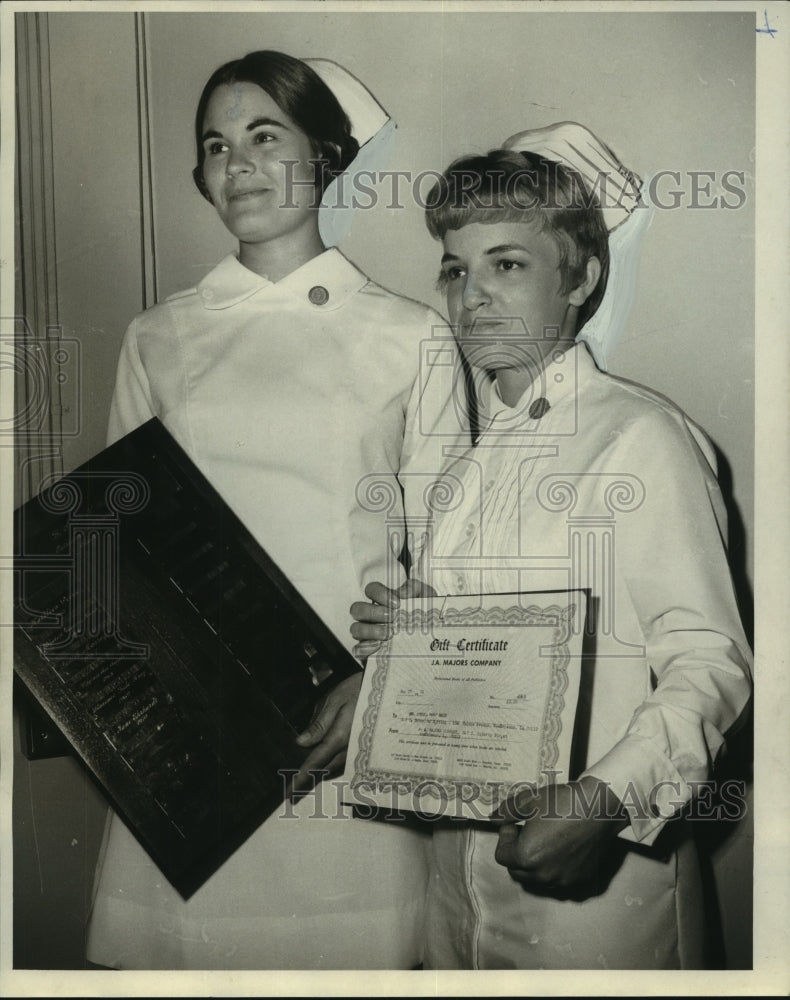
373,621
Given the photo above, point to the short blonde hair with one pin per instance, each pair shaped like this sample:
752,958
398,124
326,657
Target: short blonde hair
508,186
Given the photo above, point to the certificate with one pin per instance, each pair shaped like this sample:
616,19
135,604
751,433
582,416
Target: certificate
470,698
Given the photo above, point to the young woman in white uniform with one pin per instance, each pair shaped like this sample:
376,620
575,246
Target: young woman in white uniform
296,385
578,480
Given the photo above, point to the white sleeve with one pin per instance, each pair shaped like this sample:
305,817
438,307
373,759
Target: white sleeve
437,422
673,557
131,402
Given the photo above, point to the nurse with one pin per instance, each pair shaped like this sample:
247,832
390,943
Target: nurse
290,379
578,480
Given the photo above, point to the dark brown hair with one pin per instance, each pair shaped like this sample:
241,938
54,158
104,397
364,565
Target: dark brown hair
301,93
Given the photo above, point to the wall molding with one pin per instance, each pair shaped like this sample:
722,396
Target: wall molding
148,262
37,405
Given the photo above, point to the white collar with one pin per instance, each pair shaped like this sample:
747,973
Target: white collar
323,283
561,378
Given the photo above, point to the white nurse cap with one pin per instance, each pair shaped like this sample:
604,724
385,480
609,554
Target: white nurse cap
364,112
620,192
373,129
576,146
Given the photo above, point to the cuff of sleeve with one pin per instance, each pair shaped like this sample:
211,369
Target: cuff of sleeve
651,793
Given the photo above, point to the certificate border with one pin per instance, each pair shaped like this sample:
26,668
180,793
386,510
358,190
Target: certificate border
378,781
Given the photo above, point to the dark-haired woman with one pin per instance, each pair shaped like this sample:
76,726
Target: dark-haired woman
289,378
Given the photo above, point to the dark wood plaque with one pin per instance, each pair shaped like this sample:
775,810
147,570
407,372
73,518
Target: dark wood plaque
168,648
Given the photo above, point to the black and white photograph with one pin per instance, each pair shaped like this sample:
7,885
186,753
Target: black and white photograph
394,443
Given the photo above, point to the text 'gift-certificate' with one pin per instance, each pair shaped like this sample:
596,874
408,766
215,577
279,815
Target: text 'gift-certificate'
470,697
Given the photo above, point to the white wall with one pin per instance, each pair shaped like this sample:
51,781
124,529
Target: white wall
97,208
667,91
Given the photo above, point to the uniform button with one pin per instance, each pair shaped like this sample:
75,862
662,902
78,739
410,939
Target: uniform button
539,408
207,294
318,295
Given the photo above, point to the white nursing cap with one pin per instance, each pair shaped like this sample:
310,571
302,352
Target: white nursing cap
619,191
373,129
575,146
364,112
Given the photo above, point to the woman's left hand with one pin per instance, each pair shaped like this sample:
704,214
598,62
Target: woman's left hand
329,732
562,844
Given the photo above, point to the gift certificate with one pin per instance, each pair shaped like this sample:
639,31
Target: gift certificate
471,697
